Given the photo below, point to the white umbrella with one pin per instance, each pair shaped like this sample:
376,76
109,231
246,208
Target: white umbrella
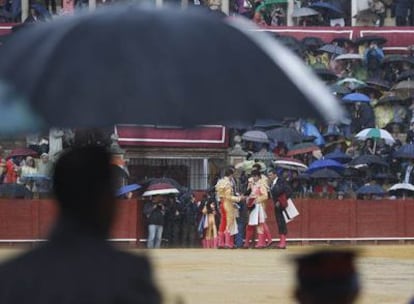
290,164
376,133
349,56
304,12
402,186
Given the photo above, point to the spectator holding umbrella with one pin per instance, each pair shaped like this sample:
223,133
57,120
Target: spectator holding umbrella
154,211
373,57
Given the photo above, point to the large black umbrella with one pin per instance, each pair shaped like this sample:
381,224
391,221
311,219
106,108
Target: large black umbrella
406,75
339,157
286,135
396,58
327,8
368,159
311,42
326,74
382,84
405,151
369,39
128,64
371,190
332,49
325,173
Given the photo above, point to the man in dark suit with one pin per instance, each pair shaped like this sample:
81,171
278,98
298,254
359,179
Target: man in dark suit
78,265
279,191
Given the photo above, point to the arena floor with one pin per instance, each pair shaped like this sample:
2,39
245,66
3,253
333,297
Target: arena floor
205,276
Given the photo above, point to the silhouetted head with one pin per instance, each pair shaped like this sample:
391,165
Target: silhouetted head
327,276
84,186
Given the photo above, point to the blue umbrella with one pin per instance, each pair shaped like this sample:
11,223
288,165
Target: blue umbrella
406,151
128,188
356,97
338,156
371,189
309,129
325,163
329,8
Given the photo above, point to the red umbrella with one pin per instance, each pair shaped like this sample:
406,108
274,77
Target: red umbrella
302,148
22,152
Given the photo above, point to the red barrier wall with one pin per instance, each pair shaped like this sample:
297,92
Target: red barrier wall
32,219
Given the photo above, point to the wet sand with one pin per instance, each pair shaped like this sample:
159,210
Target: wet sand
205,276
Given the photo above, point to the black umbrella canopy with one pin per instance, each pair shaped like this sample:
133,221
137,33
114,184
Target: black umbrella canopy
405,151
368,159
325,173
128,64
326,74
396,58
371,189
312,43
286,135
368,39
406,75
342,42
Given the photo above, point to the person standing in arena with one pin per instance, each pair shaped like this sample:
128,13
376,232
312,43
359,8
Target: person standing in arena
257,215
225,190
280,192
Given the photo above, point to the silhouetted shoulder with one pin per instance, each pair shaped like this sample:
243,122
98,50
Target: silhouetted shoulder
77,274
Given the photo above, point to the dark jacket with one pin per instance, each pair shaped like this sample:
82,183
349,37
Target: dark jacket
280,188
76,266
154,213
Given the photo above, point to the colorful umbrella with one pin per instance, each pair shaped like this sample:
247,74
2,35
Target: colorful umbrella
160,189
375,133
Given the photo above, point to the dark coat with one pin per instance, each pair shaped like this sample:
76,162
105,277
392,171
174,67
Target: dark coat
155,213
77,267
281,187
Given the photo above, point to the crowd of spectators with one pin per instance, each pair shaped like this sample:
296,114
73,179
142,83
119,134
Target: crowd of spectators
377,92
335,13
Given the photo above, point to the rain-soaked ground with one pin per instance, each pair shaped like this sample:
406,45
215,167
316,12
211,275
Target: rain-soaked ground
205,276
